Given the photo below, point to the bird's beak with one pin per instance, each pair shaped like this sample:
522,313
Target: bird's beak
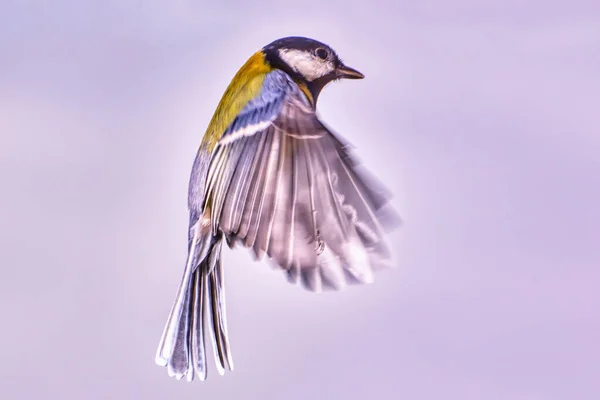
345,72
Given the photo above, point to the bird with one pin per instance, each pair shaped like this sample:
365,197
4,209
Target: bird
270,176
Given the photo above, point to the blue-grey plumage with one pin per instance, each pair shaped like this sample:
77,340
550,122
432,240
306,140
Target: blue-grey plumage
277,180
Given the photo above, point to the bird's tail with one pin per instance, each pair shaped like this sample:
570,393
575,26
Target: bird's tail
181,348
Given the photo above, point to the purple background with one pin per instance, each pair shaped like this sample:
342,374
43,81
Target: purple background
484,120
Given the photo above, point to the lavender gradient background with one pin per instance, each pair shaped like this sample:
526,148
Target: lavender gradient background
483,119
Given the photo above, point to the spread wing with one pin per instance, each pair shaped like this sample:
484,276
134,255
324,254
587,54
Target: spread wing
282,184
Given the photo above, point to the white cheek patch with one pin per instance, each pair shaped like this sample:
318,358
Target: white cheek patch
305,63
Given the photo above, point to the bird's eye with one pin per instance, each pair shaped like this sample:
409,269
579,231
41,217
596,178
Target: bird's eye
322,53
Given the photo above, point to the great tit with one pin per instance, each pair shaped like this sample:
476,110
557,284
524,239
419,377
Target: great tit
270,176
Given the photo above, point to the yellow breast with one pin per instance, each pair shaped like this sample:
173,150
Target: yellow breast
304,88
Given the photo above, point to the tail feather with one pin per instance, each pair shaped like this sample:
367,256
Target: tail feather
199,366
216,301
182,345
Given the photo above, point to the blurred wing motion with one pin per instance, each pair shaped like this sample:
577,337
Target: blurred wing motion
281,183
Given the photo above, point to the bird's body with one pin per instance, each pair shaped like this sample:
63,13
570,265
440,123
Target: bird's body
270,176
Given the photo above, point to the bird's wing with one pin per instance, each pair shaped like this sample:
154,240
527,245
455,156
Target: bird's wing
283,184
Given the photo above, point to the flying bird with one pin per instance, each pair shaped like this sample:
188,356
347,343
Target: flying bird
270,176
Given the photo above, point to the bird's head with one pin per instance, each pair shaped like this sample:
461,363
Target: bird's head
308,61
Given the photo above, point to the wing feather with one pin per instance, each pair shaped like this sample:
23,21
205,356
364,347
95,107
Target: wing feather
256,207
278,211
292,191
253,152
253,191
269,197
